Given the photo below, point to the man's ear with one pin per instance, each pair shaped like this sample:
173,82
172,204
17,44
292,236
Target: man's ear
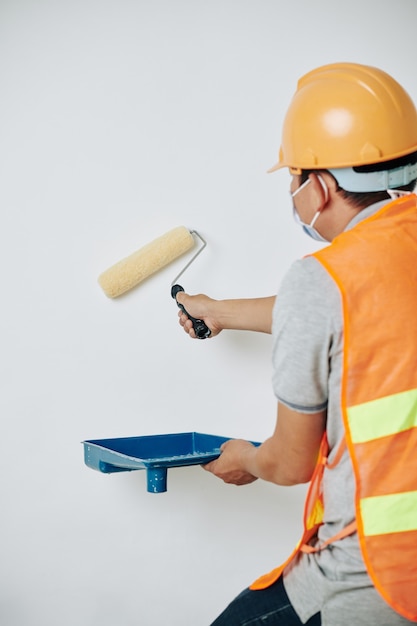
320,191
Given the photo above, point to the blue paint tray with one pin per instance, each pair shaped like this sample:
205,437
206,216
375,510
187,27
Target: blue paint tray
155,453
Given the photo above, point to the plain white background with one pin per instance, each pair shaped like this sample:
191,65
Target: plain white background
120,120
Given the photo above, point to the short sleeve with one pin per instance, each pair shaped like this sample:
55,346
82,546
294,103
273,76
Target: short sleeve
306,329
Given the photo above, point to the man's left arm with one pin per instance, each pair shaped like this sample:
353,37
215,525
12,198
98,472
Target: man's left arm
288,457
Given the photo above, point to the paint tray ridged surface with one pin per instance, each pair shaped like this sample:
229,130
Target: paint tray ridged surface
155,453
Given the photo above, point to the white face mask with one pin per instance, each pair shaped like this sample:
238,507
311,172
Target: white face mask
309,228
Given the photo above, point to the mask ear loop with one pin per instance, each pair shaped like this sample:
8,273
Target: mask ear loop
324,187
326,197
314,220
305,183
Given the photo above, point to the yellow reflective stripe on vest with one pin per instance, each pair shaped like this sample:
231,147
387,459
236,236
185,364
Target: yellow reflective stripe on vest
394,513
383,417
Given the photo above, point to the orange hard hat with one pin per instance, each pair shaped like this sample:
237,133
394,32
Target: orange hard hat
346,115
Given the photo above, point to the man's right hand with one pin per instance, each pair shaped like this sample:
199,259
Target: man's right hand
200,307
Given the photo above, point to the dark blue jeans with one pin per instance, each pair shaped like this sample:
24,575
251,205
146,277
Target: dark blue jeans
265,607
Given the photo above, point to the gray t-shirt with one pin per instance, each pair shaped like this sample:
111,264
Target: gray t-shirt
307,360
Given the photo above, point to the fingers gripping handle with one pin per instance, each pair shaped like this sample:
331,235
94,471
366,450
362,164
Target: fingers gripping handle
201,330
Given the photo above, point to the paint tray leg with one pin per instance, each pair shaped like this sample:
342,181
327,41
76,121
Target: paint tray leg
157,479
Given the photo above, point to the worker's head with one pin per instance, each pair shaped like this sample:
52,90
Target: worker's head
356,123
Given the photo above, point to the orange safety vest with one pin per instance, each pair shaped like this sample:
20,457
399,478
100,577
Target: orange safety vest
375,268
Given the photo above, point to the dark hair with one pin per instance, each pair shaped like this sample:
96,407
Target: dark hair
362,200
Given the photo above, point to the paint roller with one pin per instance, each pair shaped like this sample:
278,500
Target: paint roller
132,270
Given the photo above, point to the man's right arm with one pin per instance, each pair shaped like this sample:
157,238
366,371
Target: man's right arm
253,314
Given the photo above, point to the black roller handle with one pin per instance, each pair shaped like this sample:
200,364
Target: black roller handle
201,330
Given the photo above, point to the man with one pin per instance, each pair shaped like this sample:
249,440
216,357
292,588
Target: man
344,329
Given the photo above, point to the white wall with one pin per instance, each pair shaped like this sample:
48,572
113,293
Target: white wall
119,120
